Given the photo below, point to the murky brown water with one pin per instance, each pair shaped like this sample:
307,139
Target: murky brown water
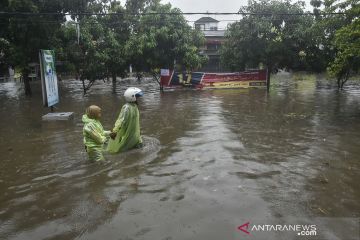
213,161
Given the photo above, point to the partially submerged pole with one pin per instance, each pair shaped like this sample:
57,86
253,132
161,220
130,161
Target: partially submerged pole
49,85
268,79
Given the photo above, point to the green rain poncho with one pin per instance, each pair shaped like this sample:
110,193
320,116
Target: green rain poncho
127,129
94,138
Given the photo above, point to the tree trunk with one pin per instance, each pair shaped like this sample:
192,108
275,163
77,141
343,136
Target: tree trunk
339,82
84,87
25,75
342,79
345,79
268,72
138,76
114,83
157,79
342,84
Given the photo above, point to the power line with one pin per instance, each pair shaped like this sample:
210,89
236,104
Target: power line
114,24
44,20
165,13
26,21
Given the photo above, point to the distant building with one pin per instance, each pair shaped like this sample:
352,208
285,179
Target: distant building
214,40
207,23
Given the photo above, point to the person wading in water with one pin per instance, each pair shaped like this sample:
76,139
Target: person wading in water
126,132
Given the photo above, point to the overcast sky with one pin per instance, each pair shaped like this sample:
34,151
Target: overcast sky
213,6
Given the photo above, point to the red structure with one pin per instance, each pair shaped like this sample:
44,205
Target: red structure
201,80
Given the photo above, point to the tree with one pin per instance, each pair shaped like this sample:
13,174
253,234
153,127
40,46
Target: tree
338,35
347,59
117,33
275,34
36,29
160,40
108,43
134,9
100,50
28,34
4,43
4,54
88,57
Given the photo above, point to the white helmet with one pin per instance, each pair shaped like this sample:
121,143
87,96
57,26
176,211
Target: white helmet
131,93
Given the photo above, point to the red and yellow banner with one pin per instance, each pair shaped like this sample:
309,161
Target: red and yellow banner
201,80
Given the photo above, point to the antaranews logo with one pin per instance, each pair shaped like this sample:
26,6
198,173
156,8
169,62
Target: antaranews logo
299,229
244,228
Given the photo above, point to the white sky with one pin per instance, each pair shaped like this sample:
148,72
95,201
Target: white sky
213,6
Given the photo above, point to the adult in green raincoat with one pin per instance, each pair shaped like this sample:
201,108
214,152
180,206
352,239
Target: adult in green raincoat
94,134
126,132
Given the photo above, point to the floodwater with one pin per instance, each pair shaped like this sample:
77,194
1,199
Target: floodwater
213,160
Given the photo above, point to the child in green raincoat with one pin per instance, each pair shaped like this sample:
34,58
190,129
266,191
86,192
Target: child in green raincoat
94,134
126,132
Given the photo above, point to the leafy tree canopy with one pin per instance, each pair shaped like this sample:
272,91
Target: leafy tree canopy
160,40
275,34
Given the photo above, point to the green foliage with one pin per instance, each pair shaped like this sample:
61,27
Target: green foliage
29,34
280,38
4,54
339,36
326,26
85,57
116,35
100,51
159,40
347,59
107,43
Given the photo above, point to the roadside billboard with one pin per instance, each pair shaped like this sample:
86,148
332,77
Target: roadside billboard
49,82
203,80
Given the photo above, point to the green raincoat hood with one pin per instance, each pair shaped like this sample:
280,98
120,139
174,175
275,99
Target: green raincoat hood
86,119
94,137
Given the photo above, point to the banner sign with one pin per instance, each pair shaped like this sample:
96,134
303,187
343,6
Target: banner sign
202,80
49,81
165,72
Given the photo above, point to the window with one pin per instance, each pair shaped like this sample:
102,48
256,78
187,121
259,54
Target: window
200,26
212,46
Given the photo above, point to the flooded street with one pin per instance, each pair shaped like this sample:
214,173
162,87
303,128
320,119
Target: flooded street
212,161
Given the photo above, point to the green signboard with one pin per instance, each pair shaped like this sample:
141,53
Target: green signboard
49,81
